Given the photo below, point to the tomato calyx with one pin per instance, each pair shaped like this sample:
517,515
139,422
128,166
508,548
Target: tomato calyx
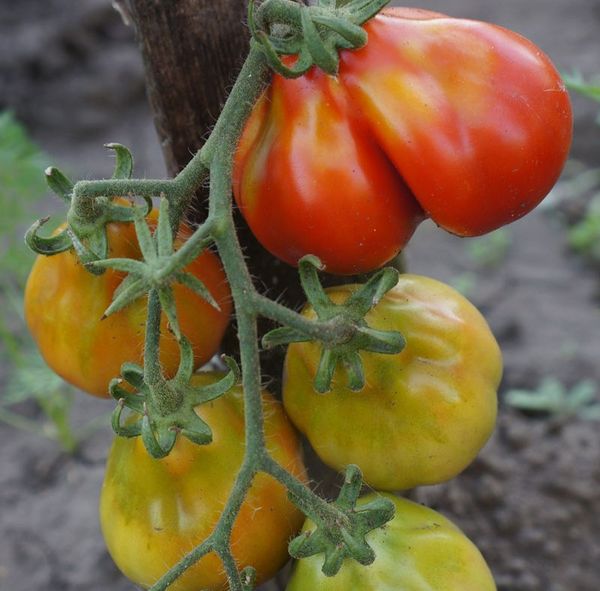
85,231
359,336
162,266
165,408
314,33
345,538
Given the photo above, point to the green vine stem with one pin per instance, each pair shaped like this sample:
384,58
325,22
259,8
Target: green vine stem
215,160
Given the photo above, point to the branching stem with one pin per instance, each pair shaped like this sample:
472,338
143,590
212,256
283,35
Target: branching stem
216,159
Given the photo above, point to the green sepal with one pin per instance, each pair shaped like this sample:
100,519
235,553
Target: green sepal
210,392
387,342
164,234
186,362
370,294
342,349
308,267
167,303
133,374
59,183
93,248
133,289
356,374
192,282
145,239
124,265
131,430
327,59
283,335
325,370
50,245
188,252
157,445
340,539
121,213
195,429
123,161
354,34
134,402
300,67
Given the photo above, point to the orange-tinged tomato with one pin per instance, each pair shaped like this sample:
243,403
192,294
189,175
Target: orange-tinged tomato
418,550
153,512
462,121
64,305
424,413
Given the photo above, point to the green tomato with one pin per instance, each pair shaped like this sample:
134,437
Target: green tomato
418,550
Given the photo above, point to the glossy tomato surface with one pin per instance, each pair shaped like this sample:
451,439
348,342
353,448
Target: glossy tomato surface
418,550
153,512
64,305
424,413
462,121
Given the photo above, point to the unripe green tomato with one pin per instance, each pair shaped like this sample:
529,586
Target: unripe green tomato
418,550
424,413
153,512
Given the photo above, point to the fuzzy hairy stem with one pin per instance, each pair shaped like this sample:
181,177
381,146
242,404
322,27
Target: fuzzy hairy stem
215,159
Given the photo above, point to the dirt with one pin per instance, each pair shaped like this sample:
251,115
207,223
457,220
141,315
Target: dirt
531,501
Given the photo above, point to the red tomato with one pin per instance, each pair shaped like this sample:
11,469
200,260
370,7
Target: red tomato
462,121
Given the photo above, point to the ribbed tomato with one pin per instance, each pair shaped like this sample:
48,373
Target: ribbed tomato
418,550
153,512
462,121
424,413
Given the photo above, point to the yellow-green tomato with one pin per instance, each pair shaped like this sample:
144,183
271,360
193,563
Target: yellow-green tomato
418,550
424,413
153,512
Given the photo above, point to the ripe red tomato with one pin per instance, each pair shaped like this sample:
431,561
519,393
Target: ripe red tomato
418,550
64,306
462,121
423,414
153,512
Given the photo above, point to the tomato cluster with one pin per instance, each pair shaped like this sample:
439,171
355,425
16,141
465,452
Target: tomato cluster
459,121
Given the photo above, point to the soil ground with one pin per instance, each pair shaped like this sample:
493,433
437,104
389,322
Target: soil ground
531,501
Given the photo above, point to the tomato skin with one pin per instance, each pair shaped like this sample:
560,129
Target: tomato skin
478,123
424,413
418,550
462,121
64,305
153,512
309,178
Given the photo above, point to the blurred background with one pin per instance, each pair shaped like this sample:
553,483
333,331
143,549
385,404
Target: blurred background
72,79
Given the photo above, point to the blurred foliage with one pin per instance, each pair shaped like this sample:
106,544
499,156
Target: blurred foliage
575,81
553,398
22,187
577,199
489,251
584,235
465,283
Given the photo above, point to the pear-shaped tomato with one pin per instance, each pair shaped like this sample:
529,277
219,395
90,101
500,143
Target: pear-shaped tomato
462,121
